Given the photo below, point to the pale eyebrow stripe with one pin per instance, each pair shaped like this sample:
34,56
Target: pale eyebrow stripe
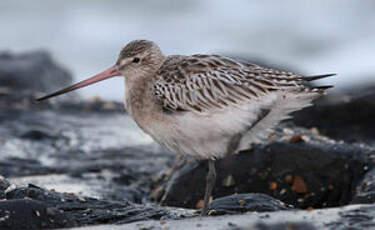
121,64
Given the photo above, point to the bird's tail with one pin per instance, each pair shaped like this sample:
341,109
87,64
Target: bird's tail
317,77
319,89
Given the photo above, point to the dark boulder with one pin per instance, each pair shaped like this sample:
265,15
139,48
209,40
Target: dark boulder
31,214
40,208
241,203
35,71
365,190
314,174
347,116
26,76
283,226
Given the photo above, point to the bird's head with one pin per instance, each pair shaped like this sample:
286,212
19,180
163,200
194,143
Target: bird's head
139,58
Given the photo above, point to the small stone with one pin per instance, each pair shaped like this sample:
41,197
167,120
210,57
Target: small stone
157,193
163,220
95,99
314,130
273,186
50,211
289,179
109,105
211,212
299,185
81,200
282,191
200,204
229,181
296,138
305,138
271,134
288,131
10,188
242,202
168,172
4,184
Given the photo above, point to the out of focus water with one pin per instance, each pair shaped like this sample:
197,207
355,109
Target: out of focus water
86,36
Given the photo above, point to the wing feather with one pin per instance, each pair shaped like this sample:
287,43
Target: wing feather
204,83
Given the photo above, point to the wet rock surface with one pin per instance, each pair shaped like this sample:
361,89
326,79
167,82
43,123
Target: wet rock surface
34,71
314,174
348,217
34,208
70,163
29,74
346,116
241,203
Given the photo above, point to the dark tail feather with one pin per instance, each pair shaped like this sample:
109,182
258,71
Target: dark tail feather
320,89
324,87
316,77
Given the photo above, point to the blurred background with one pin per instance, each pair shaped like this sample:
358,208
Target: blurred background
312,37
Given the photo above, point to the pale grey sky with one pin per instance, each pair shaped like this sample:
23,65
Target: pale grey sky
86,36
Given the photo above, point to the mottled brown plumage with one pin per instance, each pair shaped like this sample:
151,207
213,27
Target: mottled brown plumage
205,106
200,83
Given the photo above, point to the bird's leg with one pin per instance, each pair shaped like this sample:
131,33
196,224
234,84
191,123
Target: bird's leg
210,183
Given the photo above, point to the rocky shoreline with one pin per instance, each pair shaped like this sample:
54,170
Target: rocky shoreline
72,163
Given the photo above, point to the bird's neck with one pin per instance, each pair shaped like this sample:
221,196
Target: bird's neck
139,101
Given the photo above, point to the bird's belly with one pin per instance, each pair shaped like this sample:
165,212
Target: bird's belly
206,136
223,132
200,143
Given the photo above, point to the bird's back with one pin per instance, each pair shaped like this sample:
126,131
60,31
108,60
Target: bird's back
215,105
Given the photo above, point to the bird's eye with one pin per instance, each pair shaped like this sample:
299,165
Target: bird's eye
136,60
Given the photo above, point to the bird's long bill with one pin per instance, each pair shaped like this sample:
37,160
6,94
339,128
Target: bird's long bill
108,73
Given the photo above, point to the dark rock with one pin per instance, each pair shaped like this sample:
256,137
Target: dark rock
240,203
284,226
87,148
365,190
358,218
348,116
315,174
23,167
31,214
33,71
75,210
24,77
36,135
4,184
342,218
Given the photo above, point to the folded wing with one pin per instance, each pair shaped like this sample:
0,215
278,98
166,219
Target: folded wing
208,83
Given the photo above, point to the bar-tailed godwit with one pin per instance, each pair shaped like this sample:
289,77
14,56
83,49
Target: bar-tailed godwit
205,106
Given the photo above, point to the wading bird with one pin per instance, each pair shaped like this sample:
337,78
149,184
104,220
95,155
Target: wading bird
205,106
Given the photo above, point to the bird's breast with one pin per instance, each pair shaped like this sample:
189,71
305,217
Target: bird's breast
140,105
